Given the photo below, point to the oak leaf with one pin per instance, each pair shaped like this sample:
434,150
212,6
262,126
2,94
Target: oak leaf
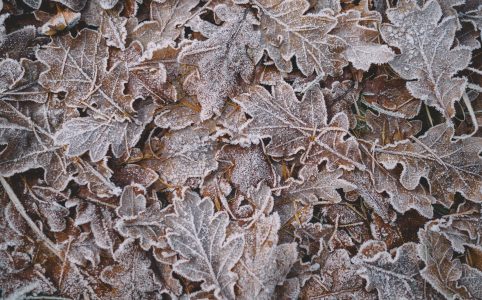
361,47
288,32
137,220
223,57
27,129
295,125
264,264
394,278
97,135
449,166
78,66
130,275
426,58
314,186
441,270
245,167
163,26
199,236
338,279
186,154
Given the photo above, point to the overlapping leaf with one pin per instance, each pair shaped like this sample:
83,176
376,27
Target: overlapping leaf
427,57
314,186
264,264
27,129
223,57
394,278
96,135
449,166
295,125
78,66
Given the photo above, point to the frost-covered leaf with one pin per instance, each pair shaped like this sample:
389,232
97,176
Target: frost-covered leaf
426,58
76,283
19,81
295,125
245,167
10,72
131,204
340,98
394,277
163,25
315,239
261,200
314,186
199,236
387,232
463,228
338,279
376,181
100,217
292,215
139,220
361,47
223,57
97,135
133,173
148,71
113,28
186,153
16,284
441,270
78,66
472,280
252,149
365,188
75,5
388,129
81,249
48,202
390,96
64,19
131,275
97,178
179,115
16,44
449,166
345,218
288,31
27,129
264,264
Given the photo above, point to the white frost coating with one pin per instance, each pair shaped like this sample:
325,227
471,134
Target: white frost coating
222,57
199,236
426,53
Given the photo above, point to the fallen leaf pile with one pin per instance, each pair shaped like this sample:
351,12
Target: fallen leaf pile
240,149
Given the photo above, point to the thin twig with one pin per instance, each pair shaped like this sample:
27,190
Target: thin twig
469,107
21,210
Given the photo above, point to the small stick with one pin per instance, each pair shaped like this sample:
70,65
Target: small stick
21,210
468,104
